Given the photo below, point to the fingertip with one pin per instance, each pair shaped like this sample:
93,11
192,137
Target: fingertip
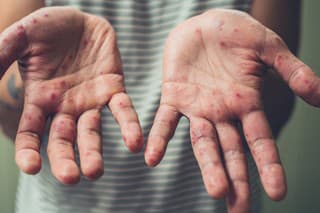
218,191
274,182
156,147
306,84
277,194
217,185
133,137
152,159
68,173
29,161
93,167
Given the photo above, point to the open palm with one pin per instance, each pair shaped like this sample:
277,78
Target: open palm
213,72
71,69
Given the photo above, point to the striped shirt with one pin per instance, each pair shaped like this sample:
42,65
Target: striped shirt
128,185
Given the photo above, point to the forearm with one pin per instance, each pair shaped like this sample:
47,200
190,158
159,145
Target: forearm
11,101
11,87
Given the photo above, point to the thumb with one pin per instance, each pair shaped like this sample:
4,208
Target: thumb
299,77
13,44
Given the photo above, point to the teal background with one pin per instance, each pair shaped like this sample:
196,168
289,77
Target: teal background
299,142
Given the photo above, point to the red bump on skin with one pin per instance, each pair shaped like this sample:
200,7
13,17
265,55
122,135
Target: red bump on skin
63,84
238,95
34,21
20,30
39,118
195,136
85,42
46,15
197,31
53,96
235,30
306,82
95,119
121,104
222,44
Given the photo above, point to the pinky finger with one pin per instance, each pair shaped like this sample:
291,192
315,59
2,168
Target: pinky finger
264,150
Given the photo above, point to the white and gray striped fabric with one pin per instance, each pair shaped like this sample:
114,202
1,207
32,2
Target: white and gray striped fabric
128,185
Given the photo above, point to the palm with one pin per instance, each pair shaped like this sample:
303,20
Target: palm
71,68
70,54
213,74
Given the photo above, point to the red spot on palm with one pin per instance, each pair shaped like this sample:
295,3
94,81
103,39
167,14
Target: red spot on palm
85,42
238,95
63,84
53,96
222,44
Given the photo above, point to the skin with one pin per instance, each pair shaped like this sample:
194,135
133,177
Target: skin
69,81
214,76
230,182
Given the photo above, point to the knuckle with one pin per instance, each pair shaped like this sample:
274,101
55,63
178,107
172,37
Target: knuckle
234,155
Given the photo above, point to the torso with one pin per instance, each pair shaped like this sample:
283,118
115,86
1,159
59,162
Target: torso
128,185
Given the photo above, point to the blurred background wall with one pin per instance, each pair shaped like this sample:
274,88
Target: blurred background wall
299,143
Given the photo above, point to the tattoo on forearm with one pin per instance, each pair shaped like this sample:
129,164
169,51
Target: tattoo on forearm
14,91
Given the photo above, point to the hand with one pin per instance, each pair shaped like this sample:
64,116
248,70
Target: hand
71,69
214,65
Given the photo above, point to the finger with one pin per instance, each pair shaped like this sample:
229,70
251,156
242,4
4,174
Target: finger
13,42
163,128
61,149
124,113
300,78
89,144
205,145
236,167
27,142
263,148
